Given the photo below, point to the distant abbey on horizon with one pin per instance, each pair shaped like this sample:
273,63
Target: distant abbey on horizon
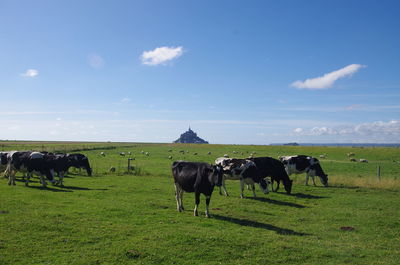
189,137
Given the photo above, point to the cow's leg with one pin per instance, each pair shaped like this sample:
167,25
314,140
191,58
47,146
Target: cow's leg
43,181
313,180
11,177
197,202
253,188
241,187
224,188
208,198
28,176
60,179
178,198
307,179
277,184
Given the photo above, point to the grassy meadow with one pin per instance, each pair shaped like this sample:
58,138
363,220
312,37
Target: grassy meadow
131,218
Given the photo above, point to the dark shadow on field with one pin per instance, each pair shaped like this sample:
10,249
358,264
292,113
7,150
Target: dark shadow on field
291,204
48,189
68,176
255,224
307,196
78,188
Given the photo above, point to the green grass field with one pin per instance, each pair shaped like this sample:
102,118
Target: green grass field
131,218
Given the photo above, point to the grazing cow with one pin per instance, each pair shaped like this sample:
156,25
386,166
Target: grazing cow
353,160
60,163
79,161
243,170
30,163
305,164
195,177
3,162
102,154
363,160
271,167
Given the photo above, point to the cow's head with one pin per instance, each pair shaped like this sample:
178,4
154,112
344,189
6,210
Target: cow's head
324,179
320,173
288,186
264,186
215,175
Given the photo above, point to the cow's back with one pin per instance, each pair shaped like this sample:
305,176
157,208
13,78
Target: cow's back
268,166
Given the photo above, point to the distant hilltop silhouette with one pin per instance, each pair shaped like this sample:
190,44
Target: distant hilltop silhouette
190,137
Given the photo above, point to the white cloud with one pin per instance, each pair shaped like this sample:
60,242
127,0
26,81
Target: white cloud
378,131
95,61
298,130
30,73
161,55
327,80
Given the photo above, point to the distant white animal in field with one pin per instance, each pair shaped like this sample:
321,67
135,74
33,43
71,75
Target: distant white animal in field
322,156
351,154
170,157
147,153
226,156
363,160
129,153
122,154
102,154
112,169
195,154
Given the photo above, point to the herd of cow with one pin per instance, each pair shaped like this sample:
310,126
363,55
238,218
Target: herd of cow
196,177
43,164
201,178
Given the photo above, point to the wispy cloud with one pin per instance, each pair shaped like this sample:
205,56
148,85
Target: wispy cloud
30,73
374,131
125,100
327,80
161,55
95,61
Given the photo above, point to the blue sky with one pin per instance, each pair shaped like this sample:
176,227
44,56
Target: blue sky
237,72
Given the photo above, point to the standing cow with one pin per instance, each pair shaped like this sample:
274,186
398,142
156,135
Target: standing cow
195,177
271,167
79,161
30,163
244,170
305,164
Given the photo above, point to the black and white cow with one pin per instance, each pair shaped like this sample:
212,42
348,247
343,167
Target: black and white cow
195,177
4,162
244,170
271,167
30,163
79,161
60,164
305,164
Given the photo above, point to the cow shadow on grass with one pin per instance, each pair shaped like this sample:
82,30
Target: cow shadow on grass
281,203
307,196
47,188
78,188
255,224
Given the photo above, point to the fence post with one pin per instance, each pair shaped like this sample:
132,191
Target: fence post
378,173
129,164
